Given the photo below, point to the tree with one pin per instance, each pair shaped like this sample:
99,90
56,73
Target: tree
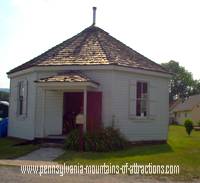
4,96
182,83
196,87
188,126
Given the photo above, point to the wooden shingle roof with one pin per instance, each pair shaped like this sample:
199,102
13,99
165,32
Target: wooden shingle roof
70,77
92,46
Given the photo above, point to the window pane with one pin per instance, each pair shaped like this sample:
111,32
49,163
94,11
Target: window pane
21,97
144,88
142,99
144,107
21,105
21,89
138,107
139,87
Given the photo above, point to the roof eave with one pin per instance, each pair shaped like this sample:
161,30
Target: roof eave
67,85
93,66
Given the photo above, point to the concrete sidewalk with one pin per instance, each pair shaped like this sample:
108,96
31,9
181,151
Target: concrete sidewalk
42,156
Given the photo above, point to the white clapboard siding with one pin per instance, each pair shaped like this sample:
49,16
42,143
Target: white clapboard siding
153,127
104,78
22,126
45,107
153,100
53,112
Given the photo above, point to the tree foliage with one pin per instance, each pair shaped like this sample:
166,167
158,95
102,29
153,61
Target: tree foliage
4,96
188,126
182,83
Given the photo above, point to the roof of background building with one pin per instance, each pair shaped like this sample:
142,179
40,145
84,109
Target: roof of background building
188,104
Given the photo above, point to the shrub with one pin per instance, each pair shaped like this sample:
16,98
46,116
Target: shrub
188,126
104,140
198,123
72,140
107,139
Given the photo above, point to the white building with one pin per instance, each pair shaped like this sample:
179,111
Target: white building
94,72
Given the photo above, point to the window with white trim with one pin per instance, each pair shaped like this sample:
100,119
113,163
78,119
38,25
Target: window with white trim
186,115
142,99
22,98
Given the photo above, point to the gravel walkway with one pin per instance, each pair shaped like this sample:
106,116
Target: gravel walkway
14,175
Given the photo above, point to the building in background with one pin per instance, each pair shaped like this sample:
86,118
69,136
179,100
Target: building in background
189,109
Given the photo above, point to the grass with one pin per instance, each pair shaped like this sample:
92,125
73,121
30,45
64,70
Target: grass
181,149
8,150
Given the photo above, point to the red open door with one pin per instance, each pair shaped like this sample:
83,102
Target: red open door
94,110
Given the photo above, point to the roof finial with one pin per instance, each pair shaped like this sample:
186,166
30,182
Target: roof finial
94,15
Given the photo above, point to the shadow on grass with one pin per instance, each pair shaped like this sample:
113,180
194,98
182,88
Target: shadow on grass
9,148
133,151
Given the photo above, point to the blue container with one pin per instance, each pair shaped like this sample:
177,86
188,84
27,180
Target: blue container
4,127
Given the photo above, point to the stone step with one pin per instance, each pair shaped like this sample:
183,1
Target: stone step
52,139
51,144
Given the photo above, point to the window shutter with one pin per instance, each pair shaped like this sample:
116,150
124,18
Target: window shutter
153,95
132,99
15,94
25,101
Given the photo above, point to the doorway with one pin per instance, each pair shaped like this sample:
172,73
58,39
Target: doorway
72,105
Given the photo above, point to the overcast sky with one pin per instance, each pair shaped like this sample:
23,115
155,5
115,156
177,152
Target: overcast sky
162,30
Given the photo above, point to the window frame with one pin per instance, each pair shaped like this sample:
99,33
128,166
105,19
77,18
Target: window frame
141,99
186,115
132,100
22,98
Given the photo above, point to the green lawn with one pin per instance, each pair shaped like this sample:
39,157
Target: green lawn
181,150
8,150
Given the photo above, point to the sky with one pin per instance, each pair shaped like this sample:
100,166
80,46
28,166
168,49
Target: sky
162,30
